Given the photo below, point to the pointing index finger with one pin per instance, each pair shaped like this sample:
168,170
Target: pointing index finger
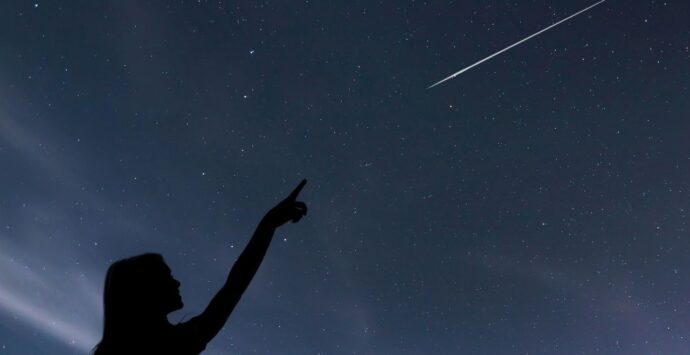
296,191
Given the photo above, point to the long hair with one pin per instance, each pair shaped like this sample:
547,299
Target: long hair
128,298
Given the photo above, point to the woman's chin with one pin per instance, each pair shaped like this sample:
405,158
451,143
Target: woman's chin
175,304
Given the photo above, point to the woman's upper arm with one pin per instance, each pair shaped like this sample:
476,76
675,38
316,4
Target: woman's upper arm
193,335
207,324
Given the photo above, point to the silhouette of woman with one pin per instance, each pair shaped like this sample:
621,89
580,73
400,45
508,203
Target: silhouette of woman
140,292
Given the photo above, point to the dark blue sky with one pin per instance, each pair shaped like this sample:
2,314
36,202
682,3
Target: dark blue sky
537,204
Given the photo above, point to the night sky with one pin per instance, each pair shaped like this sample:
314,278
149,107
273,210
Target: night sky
536,204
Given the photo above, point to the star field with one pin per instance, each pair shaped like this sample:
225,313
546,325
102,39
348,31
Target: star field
537,204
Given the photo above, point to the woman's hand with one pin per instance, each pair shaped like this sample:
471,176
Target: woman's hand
288,209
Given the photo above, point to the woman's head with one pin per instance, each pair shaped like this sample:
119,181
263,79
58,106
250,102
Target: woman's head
139,291
143,283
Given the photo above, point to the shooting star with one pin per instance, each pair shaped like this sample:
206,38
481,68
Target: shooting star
515,44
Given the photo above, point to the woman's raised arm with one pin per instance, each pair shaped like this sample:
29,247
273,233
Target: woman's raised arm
209,323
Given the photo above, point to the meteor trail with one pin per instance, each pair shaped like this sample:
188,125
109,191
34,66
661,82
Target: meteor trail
515,44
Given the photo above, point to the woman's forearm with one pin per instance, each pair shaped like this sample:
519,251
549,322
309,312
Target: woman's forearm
249,261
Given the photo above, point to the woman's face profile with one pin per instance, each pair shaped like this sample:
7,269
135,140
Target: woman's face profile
168,289
158,289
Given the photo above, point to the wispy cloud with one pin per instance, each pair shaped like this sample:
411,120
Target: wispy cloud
41,299
41,284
